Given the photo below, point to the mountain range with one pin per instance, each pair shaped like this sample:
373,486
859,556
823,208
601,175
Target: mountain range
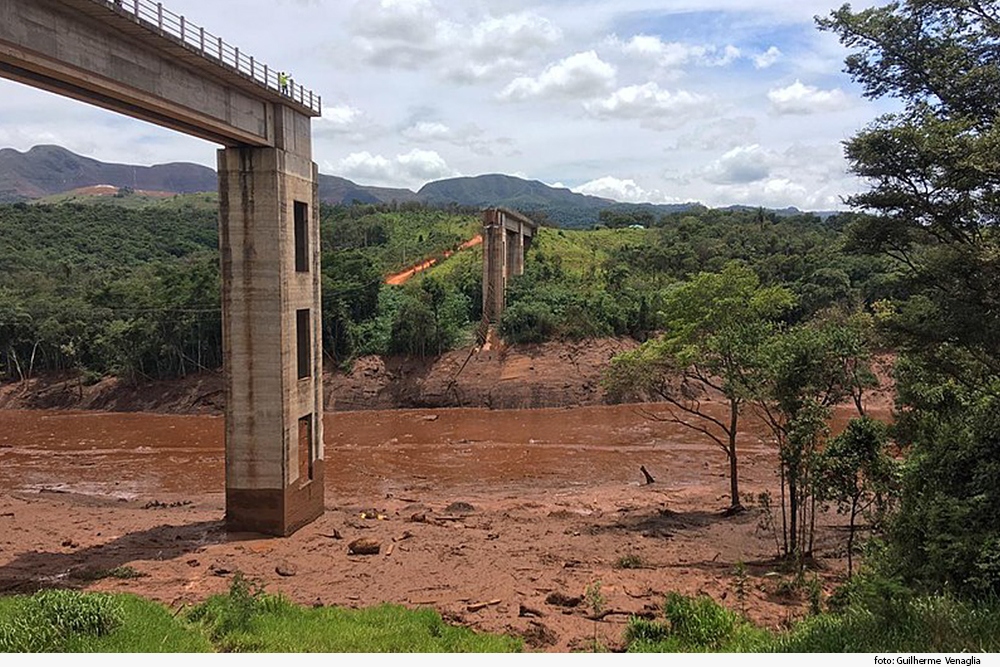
50,170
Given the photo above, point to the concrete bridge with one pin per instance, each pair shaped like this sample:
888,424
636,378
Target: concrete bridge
137,58
507,236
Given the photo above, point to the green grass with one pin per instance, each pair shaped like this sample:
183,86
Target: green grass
935,624
584,251
203,201
73,622
245,620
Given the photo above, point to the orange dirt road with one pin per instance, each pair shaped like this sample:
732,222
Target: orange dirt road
402,277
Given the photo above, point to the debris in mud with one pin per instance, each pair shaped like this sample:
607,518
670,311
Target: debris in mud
7,515
460,508
430,418
482,605
220,570
157,505
194,562
286,570
364,547
525,611
645,473
70,544
538,635
419,517
333,535
557,599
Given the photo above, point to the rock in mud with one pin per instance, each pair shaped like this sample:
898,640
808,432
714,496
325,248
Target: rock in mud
460,508
364,547
557,599
286,570
538,635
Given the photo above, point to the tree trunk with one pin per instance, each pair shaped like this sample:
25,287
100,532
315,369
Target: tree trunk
850,539
734,478
793,514
784,519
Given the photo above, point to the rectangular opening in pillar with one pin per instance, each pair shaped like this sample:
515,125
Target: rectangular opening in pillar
303,335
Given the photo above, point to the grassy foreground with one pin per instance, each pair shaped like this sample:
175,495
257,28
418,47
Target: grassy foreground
876,624
244,620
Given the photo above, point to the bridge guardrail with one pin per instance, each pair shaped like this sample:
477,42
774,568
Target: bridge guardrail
155,16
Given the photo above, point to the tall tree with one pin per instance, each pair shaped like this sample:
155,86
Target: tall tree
934,206
716,325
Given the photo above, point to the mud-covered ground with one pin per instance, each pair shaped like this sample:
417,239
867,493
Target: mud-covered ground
552,503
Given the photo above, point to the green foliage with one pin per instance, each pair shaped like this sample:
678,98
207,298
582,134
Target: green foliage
245,619
693,625
880,617
50,620
933,208
249,619
715,327
857,473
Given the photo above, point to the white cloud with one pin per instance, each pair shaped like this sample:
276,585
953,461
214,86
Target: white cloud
743,164
675,55
719,134
423,165
579,76
414,34
413,168
728,55
343,121
365,166
800,99
623,190
655,107
669,55
767,58
428,131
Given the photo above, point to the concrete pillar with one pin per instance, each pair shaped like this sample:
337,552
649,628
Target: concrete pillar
494,264
519,255
269,243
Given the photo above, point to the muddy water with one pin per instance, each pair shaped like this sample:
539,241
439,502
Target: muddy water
130,456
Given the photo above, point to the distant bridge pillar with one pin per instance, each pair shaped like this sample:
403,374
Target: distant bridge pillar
506,236
269,241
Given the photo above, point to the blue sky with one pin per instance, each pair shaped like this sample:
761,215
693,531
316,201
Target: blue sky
717,101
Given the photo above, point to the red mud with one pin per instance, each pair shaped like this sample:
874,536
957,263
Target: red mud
556,499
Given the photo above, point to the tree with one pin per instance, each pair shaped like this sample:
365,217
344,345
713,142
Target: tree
859,476
934,209
716,325
803,376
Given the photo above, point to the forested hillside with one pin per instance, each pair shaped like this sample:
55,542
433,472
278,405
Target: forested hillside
129,285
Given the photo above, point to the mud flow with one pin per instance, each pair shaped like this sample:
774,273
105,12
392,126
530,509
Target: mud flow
469,506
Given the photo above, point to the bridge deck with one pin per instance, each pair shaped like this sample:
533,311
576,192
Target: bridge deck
199,49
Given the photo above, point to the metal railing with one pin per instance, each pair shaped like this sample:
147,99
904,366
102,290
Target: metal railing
156,17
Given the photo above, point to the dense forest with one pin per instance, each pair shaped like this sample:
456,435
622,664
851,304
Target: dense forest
133,290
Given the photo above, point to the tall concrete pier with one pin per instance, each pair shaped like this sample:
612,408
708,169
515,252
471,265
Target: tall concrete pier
507,236
137,58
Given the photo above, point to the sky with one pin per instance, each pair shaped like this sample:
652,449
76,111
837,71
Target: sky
718,101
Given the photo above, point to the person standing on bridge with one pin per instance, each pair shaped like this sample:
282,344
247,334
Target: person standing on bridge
283,82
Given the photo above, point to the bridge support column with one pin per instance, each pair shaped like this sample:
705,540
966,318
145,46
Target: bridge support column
506,236
269,243
494,264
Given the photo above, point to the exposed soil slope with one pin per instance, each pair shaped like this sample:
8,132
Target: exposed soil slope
529,376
